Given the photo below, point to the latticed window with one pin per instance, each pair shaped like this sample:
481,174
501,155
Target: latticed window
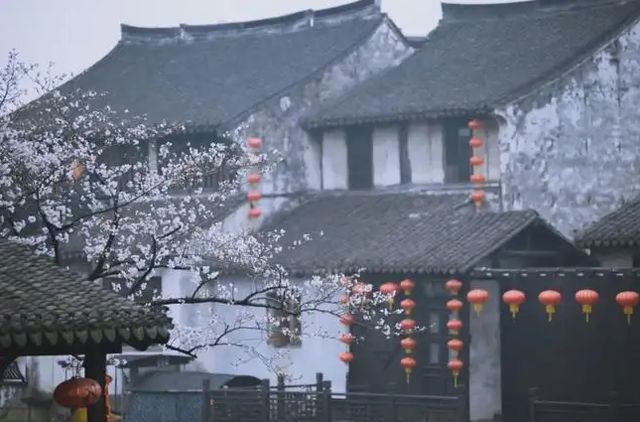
284,322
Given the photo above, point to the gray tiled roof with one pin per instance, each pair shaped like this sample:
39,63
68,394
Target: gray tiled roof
394,232
480,56
43,304
210,75
620,228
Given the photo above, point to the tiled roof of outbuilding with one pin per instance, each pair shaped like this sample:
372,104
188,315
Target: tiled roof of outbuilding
42,304
620,228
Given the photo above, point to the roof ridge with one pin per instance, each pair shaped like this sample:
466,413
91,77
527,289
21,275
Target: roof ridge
278,24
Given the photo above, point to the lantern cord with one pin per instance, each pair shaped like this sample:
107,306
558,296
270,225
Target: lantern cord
408,378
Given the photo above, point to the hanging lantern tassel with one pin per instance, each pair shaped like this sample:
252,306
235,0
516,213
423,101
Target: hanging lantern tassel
628,300
478,297
408,364
514,298
587,298
389,290
455,366
550,299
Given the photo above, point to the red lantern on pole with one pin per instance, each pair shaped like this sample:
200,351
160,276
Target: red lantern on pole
455,366
408,305
475,124
253,179
254,196
628,300
453,286
389,290
254,143
454,305
550,299
407,286
408,325
408,363
454,326
77,392
513,298
478,297
587,298
408,344
346,339
346,357
455,346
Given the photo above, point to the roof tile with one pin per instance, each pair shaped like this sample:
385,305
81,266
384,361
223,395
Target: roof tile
620,228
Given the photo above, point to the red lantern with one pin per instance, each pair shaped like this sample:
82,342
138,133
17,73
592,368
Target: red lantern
453,286
478,297
455,366
408,364
346,338
255,213
454,326
475,143
408,344
587,298
478,196
550,299
347,320
408,325
408,305
476,161
254,195
513,298
477,179
628,300
475,124
254,143
77,392
454,305
389,289
78,169
253,179
455,346
346,357
407,286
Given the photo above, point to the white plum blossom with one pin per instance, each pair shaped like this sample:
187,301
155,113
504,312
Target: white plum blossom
76,173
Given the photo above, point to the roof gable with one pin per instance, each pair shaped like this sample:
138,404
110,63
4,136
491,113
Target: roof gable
214,74
394,232
620,228
480,56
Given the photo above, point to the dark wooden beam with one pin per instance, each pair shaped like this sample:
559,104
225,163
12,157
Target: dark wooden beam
542,273
49,350
529,253
95,367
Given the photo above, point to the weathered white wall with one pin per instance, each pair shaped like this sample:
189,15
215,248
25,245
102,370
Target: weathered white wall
570,149
485,389
334,160
386,156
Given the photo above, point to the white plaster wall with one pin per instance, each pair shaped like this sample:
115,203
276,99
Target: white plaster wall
426,152
491,151
615,259
317,353
485,401
335,171
570,149
386,156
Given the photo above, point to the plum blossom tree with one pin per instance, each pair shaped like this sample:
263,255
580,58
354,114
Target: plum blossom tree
75,174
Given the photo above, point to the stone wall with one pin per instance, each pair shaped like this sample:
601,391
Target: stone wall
571,150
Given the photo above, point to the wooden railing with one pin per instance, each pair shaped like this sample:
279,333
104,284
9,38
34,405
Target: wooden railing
612,410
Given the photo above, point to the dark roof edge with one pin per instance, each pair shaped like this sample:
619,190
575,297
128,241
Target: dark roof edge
564,69
292,21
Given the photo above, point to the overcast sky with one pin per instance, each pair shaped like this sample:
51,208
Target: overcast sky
74,34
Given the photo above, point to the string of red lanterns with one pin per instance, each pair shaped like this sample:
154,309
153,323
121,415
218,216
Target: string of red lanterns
347,320
253,179
454,325
477,177
408,326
